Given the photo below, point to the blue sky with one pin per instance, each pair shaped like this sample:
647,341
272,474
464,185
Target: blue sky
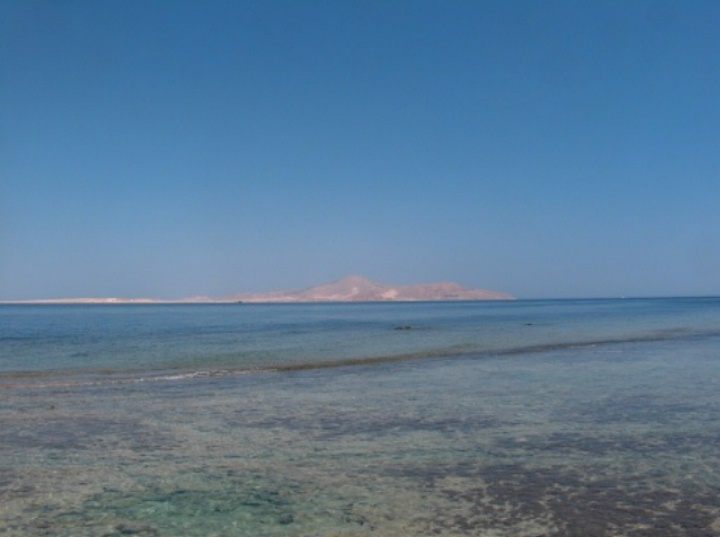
544,149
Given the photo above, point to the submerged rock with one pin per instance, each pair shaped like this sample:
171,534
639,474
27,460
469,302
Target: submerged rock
136,529
286,519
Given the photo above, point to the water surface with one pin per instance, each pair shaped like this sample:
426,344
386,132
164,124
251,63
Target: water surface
567,418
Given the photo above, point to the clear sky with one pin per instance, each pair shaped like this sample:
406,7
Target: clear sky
180,148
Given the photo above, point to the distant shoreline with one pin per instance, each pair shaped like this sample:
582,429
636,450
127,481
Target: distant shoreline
210,302
141,302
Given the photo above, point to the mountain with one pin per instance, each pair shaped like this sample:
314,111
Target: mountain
359,289
349,289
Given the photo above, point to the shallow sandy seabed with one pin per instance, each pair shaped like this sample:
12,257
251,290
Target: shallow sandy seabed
455,448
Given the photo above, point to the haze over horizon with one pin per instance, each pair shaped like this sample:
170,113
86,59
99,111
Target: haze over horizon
555,149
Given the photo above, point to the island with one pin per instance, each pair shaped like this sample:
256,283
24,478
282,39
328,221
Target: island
348,289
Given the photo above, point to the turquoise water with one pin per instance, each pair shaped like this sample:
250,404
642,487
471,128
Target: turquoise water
527,418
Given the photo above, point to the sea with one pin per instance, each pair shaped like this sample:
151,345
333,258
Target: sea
527,418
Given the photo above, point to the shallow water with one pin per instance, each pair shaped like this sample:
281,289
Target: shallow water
68,344
590,439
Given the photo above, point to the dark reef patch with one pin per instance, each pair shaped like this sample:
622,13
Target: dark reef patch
575,503
83,433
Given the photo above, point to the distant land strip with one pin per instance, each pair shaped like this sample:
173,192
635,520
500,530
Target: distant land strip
348,289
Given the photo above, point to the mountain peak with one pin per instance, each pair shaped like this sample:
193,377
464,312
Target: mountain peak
356,288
